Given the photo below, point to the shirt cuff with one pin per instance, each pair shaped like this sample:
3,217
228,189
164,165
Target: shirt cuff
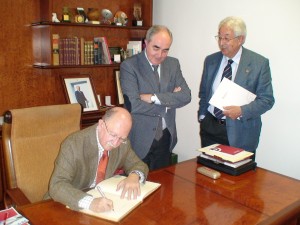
155,99
141,175
85,202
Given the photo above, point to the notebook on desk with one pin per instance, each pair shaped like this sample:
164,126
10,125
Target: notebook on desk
227,169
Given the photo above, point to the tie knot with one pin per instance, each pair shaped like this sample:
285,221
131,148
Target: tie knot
230,61
155,67
105,153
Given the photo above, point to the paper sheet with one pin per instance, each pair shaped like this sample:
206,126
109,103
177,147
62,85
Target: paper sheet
229,93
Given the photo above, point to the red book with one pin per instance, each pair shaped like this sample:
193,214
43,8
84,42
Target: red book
227,153
227,149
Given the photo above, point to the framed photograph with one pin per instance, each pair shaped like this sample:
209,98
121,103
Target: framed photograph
79,89
119,89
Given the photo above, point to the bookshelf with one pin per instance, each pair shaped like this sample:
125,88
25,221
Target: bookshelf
102,75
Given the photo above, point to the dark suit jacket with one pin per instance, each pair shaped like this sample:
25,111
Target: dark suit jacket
76,166
254,75
137,78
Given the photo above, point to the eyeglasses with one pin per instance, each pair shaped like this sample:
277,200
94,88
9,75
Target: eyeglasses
225,39
114,136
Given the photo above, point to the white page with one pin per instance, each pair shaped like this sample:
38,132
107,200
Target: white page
229,93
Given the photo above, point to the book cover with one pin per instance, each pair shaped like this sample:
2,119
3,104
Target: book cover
226,153
122,207
12,217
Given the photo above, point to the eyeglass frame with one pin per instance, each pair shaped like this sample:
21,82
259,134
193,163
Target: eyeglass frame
114,136
226,39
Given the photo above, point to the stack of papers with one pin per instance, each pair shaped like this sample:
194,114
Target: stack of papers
229,93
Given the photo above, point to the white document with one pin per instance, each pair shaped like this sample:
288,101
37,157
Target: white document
229,93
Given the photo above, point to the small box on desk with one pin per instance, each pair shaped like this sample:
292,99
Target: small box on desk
227,169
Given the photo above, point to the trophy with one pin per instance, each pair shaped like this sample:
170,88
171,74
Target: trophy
107,15
137,14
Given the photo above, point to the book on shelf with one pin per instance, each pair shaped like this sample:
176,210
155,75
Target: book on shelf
134,47
55,49
106,57
226,153
13,217
98,51
122,207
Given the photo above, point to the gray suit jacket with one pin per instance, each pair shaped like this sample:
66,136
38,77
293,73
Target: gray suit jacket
137,78
76,166
254,75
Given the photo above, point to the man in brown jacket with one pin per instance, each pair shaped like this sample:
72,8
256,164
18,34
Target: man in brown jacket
76,165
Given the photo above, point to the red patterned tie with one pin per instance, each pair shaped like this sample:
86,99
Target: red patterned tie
102,167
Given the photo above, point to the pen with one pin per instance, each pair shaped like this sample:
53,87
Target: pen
102,194
5,218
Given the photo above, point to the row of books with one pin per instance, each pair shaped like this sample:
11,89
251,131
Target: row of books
78,51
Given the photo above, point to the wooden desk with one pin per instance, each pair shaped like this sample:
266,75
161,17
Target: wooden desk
187,197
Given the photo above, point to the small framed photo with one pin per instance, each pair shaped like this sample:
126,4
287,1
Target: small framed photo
80,89
119,89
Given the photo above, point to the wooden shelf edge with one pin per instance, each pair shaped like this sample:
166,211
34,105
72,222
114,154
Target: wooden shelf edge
43,23
47,66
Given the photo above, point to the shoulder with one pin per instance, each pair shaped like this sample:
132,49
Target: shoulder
134,60
80,136
253,55
214,56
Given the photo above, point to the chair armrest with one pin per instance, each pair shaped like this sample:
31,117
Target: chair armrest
15,197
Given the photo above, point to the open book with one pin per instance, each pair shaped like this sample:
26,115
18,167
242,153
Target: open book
11,216
122,207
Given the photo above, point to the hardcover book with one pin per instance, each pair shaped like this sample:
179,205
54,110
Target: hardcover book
227,153
122,207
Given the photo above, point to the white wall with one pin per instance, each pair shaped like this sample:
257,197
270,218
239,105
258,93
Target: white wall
273,31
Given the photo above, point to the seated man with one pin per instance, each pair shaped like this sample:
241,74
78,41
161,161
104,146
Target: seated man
76,167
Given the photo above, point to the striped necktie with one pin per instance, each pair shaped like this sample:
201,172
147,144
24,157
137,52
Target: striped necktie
159,131
228,74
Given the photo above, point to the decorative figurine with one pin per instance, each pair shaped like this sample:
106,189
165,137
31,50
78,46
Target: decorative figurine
54,18
137,14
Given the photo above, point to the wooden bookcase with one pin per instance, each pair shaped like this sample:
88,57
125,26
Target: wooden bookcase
102,75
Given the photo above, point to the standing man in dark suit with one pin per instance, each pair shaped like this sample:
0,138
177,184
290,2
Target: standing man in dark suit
80,97
152,98
81,155
238,126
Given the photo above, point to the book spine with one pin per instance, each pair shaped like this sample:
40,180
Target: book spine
106,53
55,49
96,49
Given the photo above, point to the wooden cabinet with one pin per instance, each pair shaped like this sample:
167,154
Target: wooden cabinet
102,75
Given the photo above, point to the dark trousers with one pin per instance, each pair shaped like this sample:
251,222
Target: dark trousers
212,131
159,154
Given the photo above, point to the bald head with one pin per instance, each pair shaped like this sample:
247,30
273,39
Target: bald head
118,115
114,127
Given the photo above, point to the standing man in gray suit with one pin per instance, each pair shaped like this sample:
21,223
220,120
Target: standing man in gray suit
82,154
153,88
237,126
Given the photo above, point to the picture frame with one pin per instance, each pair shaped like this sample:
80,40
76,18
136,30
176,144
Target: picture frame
118,86
80,89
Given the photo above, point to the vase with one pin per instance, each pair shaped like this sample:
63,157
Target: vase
93,14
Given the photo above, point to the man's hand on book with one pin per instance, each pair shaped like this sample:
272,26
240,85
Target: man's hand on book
101,205
131,186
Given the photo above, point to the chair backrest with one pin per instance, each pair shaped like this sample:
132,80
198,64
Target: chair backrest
31,142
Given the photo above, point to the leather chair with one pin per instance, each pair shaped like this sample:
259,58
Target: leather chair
31,142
